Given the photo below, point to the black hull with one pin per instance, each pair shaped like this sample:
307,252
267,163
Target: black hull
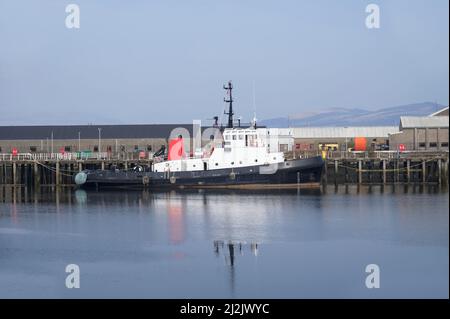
292,173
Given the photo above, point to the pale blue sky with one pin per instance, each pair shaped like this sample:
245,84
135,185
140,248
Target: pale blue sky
165,61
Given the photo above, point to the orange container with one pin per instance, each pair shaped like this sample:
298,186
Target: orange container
360,144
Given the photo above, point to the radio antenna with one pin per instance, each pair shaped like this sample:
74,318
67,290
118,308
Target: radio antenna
254,105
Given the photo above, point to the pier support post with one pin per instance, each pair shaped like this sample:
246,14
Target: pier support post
25,176
80,166
58,176
126,165
408,171
346,174
424,170
446,171
439,171
398,170
336,170
103,166
359,172
325,174
384,172
14,173
37,177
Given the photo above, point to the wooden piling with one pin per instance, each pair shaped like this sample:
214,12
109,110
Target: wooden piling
408,171
25,175
37,177
14,173
359,172
58,174
439,168
424,176
445,172
384,172
336,171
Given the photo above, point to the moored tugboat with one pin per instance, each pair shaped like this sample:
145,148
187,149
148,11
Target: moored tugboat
238,158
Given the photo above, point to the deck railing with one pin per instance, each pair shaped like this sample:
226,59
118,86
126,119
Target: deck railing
78,156
132,156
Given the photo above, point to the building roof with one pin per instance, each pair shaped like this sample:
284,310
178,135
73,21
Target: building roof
343,132
70,132
423,121
441,112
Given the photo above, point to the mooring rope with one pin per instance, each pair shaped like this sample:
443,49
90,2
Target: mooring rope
54,169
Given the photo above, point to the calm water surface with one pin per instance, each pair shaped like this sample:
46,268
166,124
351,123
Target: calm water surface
205,244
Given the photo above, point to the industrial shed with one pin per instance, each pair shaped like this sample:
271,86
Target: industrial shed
421,133
95,138
341,138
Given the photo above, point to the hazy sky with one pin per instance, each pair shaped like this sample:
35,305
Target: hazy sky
166,61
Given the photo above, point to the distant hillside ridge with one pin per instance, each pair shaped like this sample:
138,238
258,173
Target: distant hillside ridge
354,117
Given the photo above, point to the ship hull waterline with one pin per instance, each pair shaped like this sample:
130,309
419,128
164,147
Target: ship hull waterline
301,173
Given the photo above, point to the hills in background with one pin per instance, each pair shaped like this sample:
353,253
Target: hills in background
389,116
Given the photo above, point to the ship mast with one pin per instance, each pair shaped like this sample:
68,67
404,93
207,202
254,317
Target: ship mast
229,100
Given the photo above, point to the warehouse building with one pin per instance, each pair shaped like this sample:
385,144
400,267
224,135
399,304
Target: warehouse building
442,112
421,133
343,138
147,138
92,138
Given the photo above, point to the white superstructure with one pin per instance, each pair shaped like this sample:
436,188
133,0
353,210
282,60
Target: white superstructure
240,147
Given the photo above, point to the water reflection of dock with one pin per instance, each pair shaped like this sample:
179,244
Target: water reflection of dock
229,250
